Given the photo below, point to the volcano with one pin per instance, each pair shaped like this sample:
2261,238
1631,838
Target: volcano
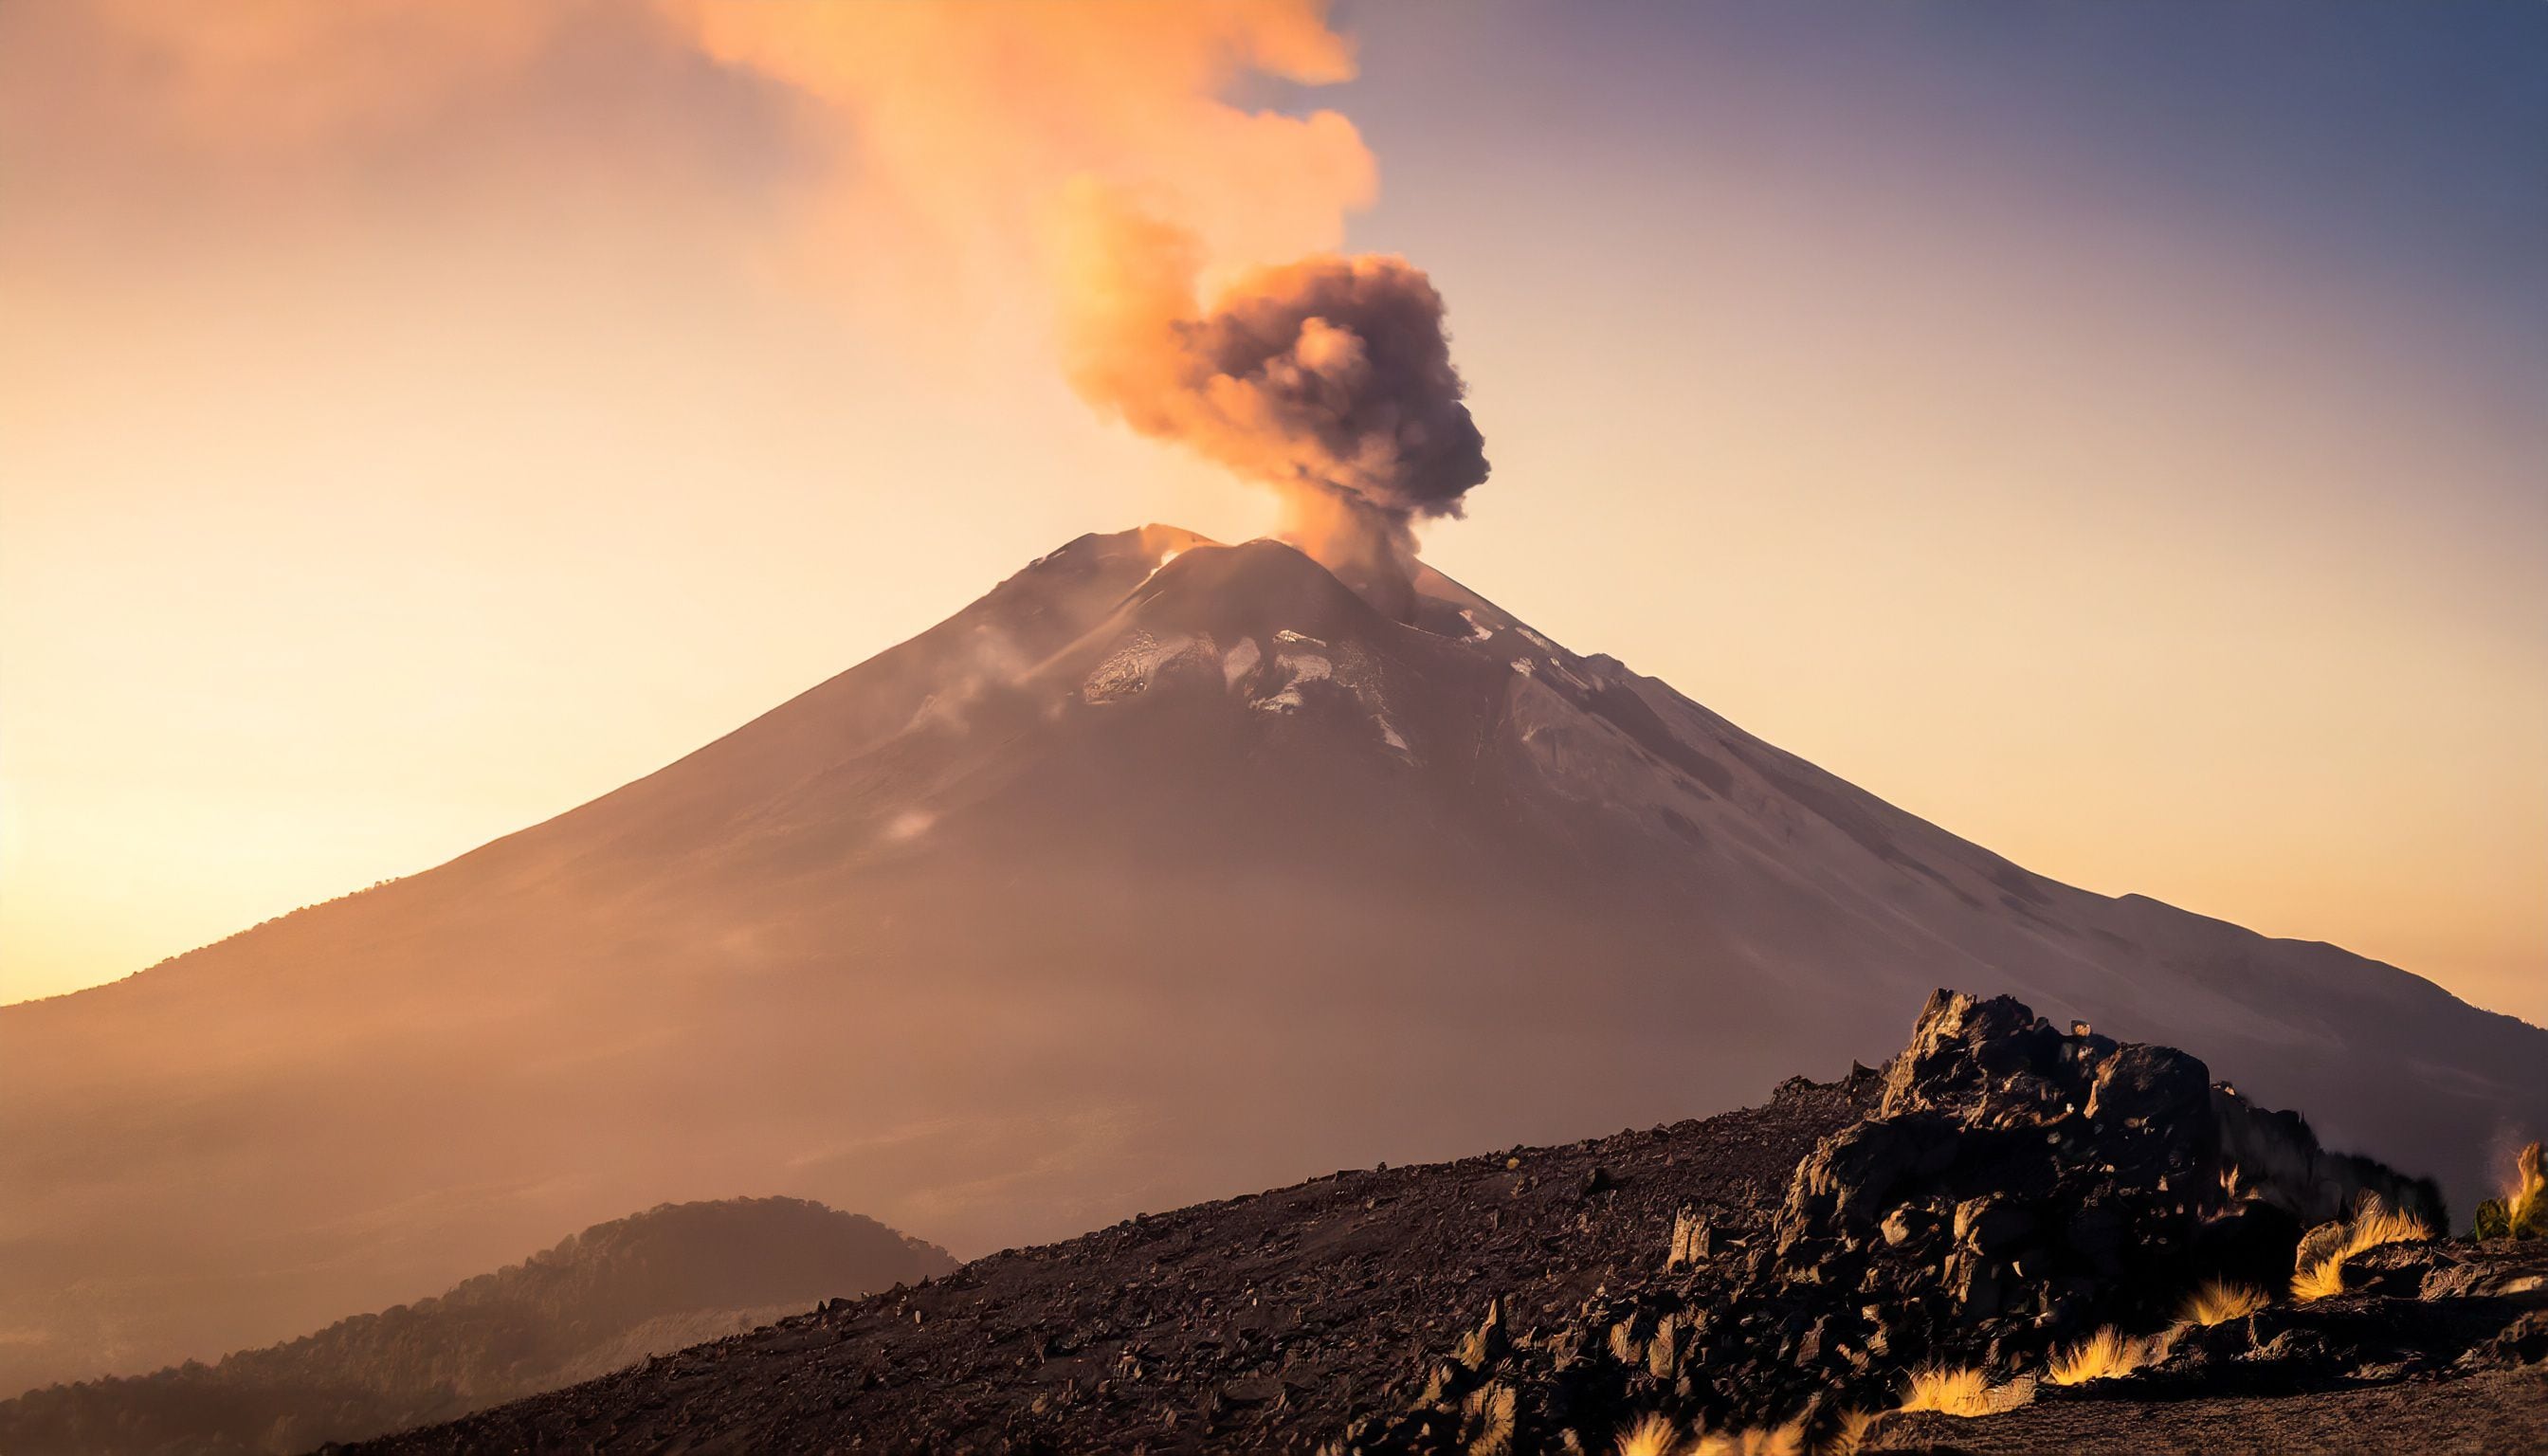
1165,870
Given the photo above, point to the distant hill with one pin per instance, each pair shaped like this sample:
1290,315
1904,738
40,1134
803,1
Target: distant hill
618,1292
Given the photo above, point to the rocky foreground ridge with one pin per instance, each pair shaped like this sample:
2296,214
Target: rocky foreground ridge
2008,1224
2026,1215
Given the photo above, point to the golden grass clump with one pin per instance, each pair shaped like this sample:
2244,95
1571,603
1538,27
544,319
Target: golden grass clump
1847,1438
1774,1440
1654,1435
2376,1225
1948,1390
2219,1302
2322,1274
2101,1356
2323,1280
1651,1435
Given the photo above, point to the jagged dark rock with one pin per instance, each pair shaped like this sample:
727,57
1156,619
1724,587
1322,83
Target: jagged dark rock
2015,1188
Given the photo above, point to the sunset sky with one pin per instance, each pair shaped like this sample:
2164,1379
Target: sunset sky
2116,433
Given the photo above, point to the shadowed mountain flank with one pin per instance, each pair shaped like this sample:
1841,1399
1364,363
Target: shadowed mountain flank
1165,868
607,1297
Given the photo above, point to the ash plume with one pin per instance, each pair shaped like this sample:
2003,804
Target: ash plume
1329,379
939,142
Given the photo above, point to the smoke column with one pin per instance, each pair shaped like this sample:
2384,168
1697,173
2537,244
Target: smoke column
939,141
1329,379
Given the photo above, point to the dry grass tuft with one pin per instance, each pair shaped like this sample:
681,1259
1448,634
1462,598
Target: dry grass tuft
2101,1356
1775,1440
1654,1435
2323,1280
2234,1189
1948,1390
1849,1436
2219,1303
2373,1224
2376,1225
1651,1435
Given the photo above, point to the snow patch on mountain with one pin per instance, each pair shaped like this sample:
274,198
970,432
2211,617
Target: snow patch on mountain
1301,668
1390,735
1239,661
1137,662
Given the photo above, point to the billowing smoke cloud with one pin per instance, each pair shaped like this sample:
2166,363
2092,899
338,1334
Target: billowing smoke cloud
1329,379
941,140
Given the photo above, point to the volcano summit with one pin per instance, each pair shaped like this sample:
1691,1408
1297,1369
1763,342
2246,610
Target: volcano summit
1166,870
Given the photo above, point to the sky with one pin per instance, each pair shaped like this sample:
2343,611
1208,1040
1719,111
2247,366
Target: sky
2113,431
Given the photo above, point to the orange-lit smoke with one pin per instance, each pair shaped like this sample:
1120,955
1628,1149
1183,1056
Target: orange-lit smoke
948,139
1100,131
957,126
950,125
268,74
1329,379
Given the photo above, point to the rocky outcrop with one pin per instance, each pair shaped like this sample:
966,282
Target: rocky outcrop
2015,1188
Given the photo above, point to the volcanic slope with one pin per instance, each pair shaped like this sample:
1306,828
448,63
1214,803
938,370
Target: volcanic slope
1162,870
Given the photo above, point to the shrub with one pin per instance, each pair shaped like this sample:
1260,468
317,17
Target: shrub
2521,1212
